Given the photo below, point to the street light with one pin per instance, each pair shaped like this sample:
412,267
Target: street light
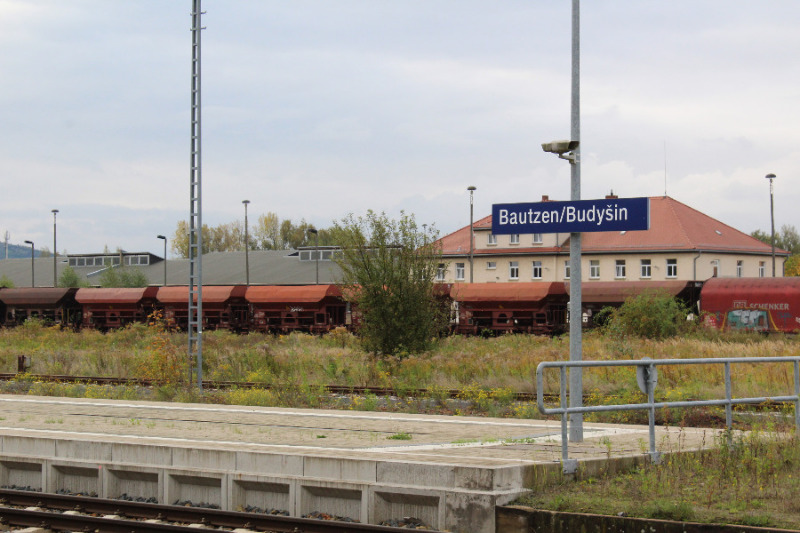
31,243
571,151
55,249
471,190
771,177
165,257
246,245
316,250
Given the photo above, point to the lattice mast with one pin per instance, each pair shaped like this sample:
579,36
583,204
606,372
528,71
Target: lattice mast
195,347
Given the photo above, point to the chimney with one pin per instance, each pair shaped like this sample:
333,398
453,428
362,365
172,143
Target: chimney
611,195
545,198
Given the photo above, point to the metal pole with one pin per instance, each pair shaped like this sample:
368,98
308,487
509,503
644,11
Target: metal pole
55,250
316,250
165,257
195,323
31,243
471,190
771,177
246,245
575,305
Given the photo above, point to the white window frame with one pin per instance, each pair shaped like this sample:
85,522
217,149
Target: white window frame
513,238
594,269
739,268
491,240
566,269
440,272
513,270
672,268
491,265
460,269
646,268
715,268
620,269
762,269
536,270
537,238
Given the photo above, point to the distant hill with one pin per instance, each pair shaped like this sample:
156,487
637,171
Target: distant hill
16,251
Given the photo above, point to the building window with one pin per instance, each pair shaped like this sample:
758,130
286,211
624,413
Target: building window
672,268
537,270
491,265
647,269
619,271
513,269
594,269
566,269
739,268
715,268
515,238
537,238
440,270
459,271
762,269
492,240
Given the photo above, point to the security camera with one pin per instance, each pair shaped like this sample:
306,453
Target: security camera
560,147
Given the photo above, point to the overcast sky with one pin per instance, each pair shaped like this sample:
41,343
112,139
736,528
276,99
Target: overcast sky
313,109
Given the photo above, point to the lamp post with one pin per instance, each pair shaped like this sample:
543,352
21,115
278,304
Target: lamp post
165,256
55,249
31,243
246,245
570,150
316,251
771,177
471,190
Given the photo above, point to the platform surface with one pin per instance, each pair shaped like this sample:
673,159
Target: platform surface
347,434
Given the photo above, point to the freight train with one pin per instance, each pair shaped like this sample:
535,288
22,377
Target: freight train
753,304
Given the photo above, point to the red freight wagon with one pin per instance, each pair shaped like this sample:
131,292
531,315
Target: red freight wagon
224,306
596,295
532,307
311,308
56,305
752,304
105,309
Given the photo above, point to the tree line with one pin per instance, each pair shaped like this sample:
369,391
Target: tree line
787,238
268,232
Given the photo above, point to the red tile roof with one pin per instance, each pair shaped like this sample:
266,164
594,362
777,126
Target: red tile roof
674,226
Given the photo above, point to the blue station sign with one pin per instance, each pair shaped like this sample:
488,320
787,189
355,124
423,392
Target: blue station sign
580,216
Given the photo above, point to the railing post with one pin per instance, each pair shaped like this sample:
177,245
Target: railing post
797,395
568,466
655,457
728,397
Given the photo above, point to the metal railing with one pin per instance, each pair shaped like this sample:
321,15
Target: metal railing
647,378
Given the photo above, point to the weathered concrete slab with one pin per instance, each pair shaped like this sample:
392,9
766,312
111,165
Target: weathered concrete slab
450,472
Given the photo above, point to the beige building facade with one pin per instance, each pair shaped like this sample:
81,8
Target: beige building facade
681,244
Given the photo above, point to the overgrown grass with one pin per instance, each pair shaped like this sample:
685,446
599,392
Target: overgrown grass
294,368
750,478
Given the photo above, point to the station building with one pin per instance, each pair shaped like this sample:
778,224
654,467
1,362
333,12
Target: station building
682,244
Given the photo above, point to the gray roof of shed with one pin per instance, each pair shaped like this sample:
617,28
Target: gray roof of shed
267,267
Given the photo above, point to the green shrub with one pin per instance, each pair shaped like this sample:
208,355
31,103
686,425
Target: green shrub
651,315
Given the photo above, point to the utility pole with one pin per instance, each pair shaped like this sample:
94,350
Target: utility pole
195,327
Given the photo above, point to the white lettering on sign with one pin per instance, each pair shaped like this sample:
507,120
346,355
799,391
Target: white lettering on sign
568,214
744,304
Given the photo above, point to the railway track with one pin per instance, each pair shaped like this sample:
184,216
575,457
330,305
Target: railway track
210,384
81,513
549,399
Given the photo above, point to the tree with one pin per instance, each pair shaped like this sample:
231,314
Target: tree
787,238
70,278
388,270
123,277
6,282
792,266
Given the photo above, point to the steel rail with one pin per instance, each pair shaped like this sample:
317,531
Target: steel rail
127,510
